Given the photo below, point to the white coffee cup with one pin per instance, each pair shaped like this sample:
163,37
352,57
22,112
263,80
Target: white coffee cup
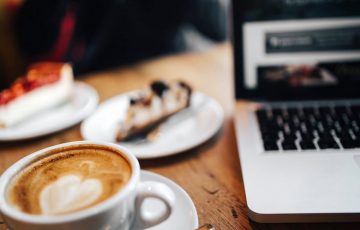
120,211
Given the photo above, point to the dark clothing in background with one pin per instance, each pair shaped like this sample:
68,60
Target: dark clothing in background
109,33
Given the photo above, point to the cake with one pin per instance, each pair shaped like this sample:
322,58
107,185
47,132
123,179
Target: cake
151,106
44,86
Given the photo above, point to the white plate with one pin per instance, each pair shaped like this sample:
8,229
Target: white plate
181,132
184,215
81,105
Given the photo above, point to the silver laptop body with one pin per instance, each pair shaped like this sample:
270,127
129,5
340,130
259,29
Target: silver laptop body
297,116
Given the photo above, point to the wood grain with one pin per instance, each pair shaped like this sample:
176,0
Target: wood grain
210,173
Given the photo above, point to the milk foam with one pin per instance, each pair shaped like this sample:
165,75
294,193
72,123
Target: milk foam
69,193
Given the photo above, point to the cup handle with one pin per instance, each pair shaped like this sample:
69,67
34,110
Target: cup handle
152,189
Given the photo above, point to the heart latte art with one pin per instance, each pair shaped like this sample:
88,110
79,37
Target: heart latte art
69,193
69,179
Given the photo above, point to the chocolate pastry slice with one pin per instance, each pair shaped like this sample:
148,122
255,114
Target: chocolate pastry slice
152,106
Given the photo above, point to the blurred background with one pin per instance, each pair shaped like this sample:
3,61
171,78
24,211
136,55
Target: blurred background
100,34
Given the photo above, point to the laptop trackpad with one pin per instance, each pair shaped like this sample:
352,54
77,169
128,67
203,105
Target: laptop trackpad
357,160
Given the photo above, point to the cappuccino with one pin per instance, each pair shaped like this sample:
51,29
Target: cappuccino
69,179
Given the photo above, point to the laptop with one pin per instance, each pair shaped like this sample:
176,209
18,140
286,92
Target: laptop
297,116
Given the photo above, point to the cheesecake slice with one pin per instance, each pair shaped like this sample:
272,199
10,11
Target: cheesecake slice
44,86
152,106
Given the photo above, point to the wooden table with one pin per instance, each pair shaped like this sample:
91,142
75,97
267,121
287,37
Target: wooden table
210,173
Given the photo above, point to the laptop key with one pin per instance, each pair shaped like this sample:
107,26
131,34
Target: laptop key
327,137
288,145
350,144
290,136
343,135
340,109
309,136
261,113
307,145
270,136
270,145
277,112
328,144
309,111
355,108
323,111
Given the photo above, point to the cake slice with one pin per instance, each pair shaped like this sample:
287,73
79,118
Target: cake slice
152,106
45,85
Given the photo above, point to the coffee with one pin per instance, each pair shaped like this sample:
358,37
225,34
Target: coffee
69,179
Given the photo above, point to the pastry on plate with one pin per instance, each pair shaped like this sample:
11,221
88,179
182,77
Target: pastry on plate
151,106
45,85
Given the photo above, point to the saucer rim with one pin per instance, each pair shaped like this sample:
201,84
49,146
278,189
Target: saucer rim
175,185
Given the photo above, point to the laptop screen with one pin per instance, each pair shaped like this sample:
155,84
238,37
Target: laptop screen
296,49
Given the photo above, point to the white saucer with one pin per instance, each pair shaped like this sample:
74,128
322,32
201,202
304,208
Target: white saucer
181,132
82,104
184,215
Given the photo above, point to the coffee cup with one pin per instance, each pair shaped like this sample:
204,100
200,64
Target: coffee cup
80,185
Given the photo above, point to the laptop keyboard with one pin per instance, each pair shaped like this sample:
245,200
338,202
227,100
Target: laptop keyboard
310,128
